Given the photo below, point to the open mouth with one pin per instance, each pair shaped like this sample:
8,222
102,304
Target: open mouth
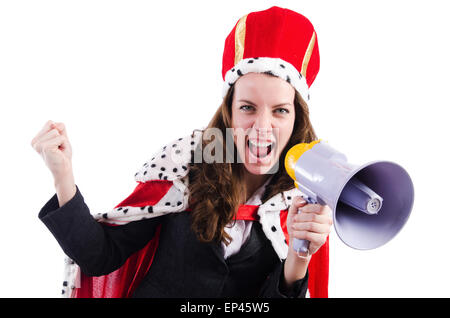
260,149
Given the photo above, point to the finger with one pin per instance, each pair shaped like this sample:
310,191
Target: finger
61,128
65,144
53,144
317,208
314,238
46,128
311,208
297,202
311,227
48,136
325,209
313,217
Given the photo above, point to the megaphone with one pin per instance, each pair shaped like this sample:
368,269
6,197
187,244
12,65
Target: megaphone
370,203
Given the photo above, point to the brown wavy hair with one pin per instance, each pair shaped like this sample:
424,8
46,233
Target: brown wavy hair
217,189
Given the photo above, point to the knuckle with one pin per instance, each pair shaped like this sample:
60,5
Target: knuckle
44,147
302,218
320,242
306,207
300,201
301,235
36,147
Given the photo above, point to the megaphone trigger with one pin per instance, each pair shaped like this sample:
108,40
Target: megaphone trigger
302,246
303,254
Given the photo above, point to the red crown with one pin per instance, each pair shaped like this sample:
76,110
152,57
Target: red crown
276,40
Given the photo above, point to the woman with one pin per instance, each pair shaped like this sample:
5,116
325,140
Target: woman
239,214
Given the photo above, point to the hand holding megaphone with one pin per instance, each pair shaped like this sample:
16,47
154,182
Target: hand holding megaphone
309,224
370,203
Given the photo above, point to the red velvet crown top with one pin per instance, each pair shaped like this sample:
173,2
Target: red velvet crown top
277,33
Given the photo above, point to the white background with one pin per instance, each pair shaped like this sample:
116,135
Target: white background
127,77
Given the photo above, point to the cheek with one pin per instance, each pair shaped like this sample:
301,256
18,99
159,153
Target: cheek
239,121
240,125
285,133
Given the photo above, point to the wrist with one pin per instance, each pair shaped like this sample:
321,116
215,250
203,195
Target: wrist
62,179
295,267
64,182
65,189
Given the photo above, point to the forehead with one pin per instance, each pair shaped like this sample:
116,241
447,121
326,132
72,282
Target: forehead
263,88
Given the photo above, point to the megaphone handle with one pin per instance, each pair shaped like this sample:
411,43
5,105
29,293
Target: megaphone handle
302,246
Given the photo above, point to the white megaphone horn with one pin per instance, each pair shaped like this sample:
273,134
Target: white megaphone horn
370,203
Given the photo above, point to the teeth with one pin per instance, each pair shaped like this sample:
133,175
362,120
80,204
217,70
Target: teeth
260,144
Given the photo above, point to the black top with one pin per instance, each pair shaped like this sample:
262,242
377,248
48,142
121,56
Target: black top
182,267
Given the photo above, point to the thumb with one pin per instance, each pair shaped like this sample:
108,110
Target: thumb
297,203
60,127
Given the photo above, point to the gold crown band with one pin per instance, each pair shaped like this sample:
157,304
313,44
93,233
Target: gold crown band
239,40
308,54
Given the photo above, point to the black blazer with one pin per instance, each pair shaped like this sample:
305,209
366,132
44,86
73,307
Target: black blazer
182,266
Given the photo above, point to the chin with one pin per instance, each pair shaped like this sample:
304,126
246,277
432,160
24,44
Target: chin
259,170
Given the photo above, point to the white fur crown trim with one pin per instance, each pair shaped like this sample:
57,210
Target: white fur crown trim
275,66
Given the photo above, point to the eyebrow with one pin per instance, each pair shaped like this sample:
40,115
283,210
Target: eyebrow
249,102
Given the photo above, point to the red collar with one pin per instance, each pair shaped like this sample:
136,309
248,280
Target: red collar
245,212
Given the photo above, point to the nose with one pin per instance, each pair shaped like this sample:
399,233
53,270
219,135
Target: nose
263,123
263,120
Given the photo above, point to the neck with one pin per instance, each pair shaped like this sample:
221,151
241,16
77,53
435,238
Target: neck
252,182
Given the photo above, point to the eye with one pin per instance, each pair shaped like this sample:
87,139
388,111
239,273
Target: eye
247,107
282,110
